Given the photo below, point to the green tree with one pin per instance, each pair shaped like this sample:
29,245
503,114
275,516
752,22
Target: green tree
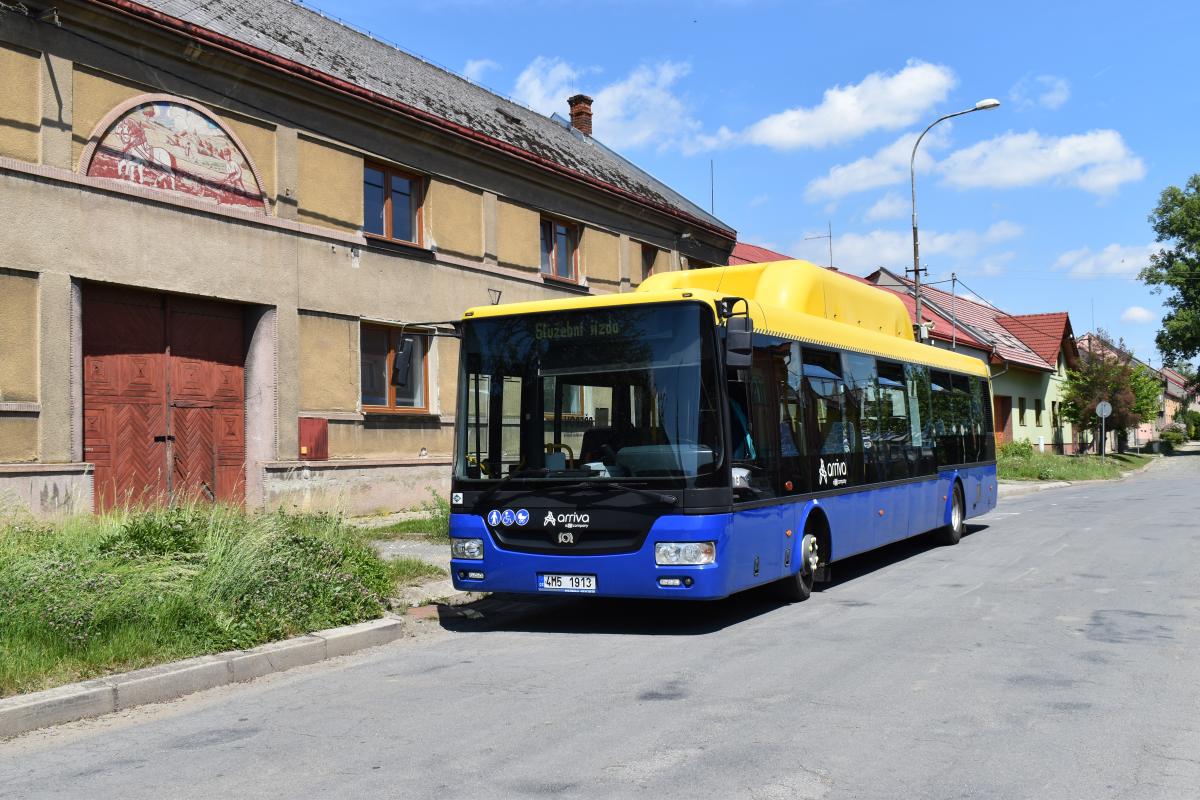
1107,373
1147,387
1176,267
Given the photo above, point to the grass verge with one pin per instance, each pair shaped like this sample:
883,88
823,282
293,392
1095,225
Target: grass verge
1034,466
432,522
95,595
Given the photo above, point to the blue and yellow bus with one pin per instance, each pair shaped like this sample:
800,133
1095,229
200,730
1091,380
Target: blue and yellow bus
715,430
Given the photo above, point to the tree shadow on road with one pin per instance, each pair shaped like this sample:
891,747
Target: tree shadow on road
600,615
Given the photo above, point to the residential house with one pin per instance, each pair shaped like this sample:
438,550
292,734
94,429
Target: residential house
1172,399
222,221
1176,396
1029,355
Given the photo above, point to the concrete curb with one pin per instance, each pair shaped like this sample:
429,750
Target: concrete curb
1011,488
93,698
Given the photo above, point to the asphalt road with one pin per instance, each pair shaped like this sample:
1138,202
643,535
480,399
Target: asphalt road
1054,653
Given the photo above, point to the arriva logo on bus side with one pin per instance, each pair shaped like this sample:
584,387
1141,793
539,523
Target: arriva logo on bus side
833,473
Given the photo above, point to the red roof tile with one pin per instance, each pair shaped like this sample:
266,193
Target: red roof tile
753,254
1042,333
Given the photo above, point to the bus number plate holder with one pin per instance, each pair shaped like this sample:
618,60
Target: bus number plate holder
570,584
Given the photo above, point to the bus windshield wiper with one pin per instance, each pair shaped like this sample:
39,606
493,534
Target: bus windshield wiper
649,494
516,473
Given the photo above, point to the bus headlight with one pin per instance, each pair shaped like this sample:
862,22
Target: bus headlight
689,553
470,549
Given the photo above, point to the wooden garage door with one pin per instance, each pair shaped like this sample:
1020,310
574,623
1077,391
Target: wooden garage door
163,398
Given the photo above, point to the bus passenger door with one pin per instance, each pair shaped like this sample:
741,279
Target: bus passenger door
763,440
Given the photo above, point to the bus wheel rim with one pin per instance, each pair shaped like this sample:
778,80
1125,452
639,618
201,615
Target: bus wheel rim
811,557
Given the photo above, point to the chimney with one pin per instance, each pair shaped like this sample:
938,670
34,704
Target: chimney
581,113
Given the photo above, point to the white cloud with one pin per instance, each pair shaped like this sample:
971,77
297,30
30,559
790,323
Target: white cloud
1098,162
861,252
1138,315
890,206
1116,259
476,68
888,166
759,200
994,265
881,101
546,84
637,110
1048,91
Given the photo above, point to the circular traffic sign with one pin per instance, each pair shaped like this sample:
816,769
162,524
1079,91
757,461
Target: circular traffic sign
1103,409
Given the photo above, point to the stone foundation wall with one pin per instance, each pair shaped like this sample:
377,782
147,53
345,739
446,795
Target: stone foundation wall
354,486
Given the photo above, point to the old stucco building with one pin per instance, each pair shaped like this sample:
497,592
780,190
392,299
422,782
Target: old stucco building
219,217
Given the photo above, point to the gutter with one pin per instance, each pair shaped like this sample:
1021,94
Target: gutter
240,49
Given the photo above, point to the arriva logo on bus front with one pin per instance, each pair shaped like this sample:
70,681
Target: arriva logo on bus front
572,520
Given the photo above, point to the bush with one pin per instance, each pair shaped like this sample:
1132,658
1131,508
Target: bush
1018,448
1171,438
119,592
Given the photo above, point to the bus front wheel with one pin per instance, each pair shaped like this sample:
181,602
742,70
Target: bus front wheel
798,587
950,534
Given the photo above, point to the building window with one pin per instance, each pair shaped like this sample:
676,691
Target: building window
1037,411
1021,410
560,245
1054,422
649,256
391,204
378,347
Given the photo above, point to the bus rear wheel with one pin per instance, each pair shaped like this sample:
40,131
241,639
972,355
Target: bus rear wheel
950,534
798,587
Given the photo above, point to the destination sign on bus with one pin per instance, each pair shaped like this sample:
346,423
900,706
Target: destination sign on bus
586,327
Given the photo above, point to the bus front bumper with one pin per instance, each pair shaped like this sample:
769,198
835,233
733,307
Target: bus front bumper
616,575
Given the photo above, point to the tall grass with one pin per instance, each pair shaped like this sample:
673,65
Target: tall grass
96,594
1019,461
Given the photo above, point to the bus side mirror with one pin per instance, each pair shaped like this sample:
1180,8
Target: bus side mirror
739,332
402,363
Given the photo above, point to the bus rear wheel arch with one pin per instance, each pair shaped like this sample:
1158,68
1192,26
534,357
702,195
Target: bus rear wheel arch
952,533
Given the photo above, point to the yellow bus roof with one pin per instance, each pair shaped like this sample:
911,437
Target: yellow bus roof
792,299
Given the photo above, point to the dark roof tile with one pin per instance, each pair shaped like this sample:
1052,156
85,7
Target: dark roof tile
305,36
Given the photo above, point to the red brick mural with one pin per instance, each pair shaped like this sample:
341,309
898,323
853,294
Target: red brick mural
171,146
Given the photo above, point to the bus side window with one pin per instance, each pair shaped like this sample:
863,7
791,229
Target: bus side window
963,417
980,390
919,419
947,443
895,428
792,430
862,412
828,432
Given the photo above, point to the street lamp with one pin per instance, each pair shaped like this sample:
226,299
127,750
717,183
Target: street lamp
982,105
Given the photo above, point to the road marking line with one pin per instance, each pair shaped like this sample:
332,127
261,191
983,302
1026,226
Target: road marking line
1023,574
968,591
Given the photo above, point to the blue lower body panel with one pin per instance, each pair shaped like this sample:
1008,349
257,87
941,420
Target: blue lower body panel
754,546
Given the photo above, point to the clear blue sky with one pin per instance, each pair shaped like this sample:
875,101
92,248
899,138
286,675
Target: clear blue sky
808,111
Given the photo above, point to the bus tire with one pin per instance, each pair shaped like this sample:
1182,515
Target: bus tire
950,534
798,587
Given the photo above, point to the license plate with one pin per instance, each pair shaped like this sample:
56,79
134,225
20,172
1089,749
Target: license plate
578,584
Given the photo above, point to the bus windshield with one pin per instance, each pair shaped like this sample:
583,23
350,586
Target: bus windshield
618,394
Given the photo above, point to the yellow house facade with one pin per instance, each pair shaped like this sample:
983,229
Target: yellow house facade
216,242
